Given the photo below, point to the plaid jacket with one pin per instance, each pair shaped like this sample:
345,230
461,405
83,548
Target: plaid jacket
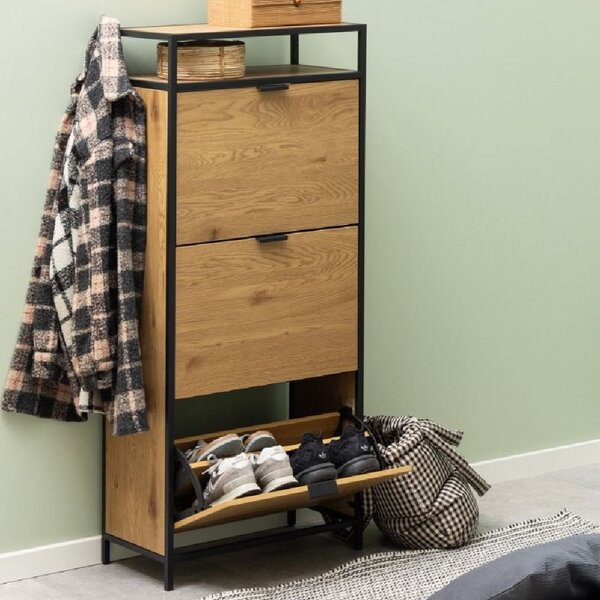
78,348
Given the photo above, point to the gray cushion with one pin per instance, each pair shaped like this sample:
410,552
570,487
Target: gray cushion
561,570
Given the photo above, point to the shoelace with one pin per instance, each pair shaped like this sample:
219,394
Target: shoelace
273,452
216,463
214,468
191,454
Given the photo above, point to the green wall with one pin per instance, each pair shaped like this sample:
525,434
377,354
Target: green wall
483,228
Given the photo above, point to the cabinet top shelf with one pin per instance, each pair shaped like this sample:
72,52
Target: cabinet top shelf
205,31
253,76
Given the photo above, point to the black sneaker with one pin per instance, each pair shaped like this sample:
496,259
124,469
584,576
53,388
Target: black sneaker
310,462
352,454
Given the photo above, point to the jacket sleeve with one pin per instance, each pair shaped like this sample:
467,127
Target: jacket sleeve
94,323
46,331
129,185
37,382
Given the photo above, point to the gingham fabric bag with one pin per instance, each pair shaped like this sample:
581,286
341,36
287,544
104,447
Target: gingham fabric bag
432,507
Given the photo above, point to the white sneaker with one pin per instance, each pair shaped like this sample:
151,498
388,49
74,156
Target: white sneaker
230,478
273,470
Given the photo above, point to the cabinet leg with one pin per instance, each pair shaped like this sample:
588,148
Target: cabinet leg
291,518
105,552
358,528
169,574
358,537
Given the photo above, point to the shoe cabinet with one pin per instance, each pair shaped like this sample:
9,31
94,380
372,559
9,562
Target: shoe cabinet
254,276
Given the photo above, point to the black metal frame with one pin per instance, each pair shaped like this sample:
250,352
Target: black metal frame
173,87
227,84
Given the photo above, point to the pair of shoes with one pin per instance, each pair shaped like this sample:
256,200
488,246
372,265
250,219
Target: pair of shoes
247,474
230,445
350,455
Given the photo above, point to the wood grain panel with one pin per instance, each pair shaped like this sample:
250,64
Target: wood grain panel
251,314
252,162
135,473
273,502
286,432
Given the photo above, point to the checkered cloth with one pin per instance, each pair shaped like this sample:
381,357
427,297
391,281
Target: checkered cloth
78,349
432,507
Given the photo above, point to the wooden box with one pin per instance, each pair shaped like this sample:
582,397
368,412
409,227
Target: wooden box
273,13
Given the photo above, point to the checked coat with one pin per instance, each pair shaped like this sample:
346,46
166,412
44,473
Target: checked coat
78,348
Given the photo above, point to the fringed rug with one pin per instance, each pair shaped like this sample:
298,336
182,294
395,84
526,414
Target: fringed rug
417,574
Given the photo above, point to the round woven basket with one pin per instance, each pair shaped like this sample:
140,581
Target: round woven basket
204,60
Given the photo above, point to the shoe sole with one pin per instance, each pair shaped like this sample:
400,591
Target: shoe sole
248,489
259,441
222,449
283,483
321,472
359,466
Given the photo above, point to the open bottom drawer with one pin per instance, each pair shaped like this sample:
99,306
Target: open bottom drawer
288,433
292,499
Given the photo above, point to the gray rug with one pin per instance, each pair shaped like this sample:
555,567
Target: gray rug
416,575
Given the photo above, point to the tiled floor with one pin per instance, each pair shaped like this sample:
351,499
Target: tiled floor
578,490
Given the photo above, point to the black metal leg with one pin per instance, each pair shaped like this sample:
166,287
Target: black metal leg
291,518
171,245
295,49
358,528
358,537
169,573
105,552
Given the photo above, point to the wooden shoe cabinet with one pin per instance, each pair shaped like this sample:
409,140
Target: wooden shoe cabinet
254,276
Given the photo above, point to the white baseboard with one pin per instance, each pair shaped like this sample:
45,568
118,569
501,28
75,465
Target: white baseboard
540,462
86,552
44,560
54,558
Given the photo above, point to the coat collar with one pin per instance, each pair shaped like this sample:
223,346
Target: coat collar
105,46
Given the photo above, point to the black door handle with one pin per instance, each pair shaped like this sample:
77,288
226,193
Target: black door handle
273,87
268,239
